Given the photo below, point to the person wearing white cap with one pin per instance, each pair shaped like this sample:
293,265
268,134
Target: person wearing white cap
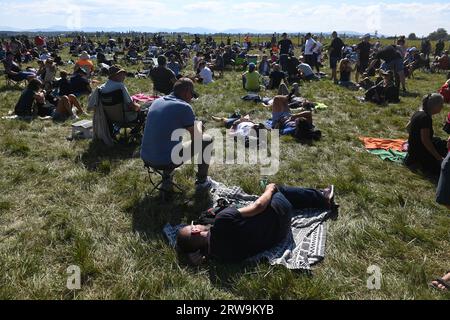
85,63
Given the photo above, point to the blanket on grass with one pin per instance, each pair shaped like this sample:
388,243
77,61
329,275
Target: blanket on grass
394,150
302,248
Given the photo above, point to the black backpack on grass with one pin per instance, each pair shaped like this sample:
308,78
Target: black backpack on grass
306,131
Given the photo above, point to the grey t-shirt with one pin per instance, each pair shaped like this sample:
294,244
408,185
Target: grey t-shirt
165,115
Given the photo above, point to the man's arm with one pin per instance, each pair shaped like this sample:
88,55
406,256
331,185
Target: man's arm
259,205
196,129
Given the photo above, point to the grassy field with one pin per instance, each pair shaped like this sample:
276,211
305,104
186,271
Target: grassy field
78,203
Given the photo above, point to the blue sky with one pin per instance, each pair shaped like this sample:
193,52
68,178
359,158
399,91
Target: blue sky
388,17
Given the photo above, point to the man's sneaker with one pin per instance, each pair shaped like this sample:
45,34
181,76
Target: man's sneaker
328,193
202,186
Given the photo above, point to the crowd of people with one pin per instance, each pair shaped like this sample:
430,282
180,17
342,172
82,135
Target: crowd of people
57,96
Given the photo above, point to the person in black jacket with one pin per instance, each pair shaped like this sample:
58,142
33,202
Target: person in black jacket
237,235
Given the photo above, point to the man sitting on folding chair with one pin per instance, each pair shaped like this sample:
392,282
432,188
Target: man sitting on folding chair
13,71
162,148
119,108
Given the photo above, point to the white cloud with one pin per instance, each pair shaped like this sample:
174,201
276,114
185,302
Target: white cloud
387,18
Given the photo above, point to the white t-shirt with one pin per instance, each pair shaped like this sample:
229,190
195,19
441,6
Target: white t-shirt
242,129
318,48
309,46
206,75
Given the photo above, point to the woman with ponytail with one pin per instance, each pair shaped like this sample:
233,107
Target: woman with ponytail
425,150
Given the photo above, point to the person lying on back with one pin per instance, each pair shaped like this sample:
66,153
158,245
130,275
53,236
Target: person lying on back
240,234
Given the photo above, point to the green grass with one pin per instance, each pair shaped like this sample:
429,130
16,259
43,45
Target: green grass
64,203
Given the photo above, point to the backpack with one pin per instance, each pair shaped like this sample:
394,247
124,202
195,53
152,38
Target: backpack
306,131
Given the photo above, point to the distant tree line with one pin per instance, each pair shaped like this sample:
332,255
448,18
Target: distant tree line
439,34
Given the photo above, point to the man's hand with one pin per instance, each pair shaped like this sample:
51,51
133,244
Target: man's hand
272,188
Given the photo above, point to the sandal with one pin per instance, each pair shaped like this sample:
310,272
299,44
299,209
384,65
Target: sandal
441,282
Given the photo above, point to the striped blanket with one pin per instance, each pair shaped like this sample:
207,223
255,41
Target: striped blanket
302,248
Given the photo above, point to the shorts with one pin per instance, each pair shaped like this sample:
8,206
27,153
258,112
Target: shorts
443,189
396,65
333,62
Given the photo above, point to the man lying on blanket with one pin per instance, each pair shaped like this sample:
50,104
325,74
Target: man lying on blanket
240,234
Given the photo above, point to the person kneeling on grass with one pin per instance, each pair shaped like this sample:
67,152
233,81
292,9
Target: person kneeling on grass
306,71
425,150
237,235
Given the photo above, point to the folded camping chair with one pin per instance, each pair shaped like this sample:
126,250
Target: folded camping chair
165,185
117,115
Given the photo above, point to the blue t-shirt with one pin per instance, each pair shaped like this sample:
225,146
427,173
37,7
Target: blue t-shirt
165,115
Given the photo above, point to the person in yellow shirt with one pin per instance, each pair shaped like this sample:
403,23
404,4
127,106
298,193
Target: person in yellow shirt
251,80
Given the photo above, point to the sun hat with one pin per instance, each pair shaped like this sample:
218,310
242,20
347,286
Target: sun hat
84,56
115,70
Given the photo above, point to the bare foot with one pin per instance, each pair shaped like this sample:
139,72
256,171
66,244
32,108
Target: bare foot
441,286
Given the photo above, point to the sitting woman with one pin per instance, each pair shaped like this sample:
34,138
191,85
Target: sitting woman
345,71
385,91
425,150
237,235
24,107
60,109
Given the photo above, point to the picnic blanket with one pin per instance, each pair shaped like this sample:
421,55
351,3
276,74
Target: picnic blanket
302,248
143,98
385,144
394,150
390,155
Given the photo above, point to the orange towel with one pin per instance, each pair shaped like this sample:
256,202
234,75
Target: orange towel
385,144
